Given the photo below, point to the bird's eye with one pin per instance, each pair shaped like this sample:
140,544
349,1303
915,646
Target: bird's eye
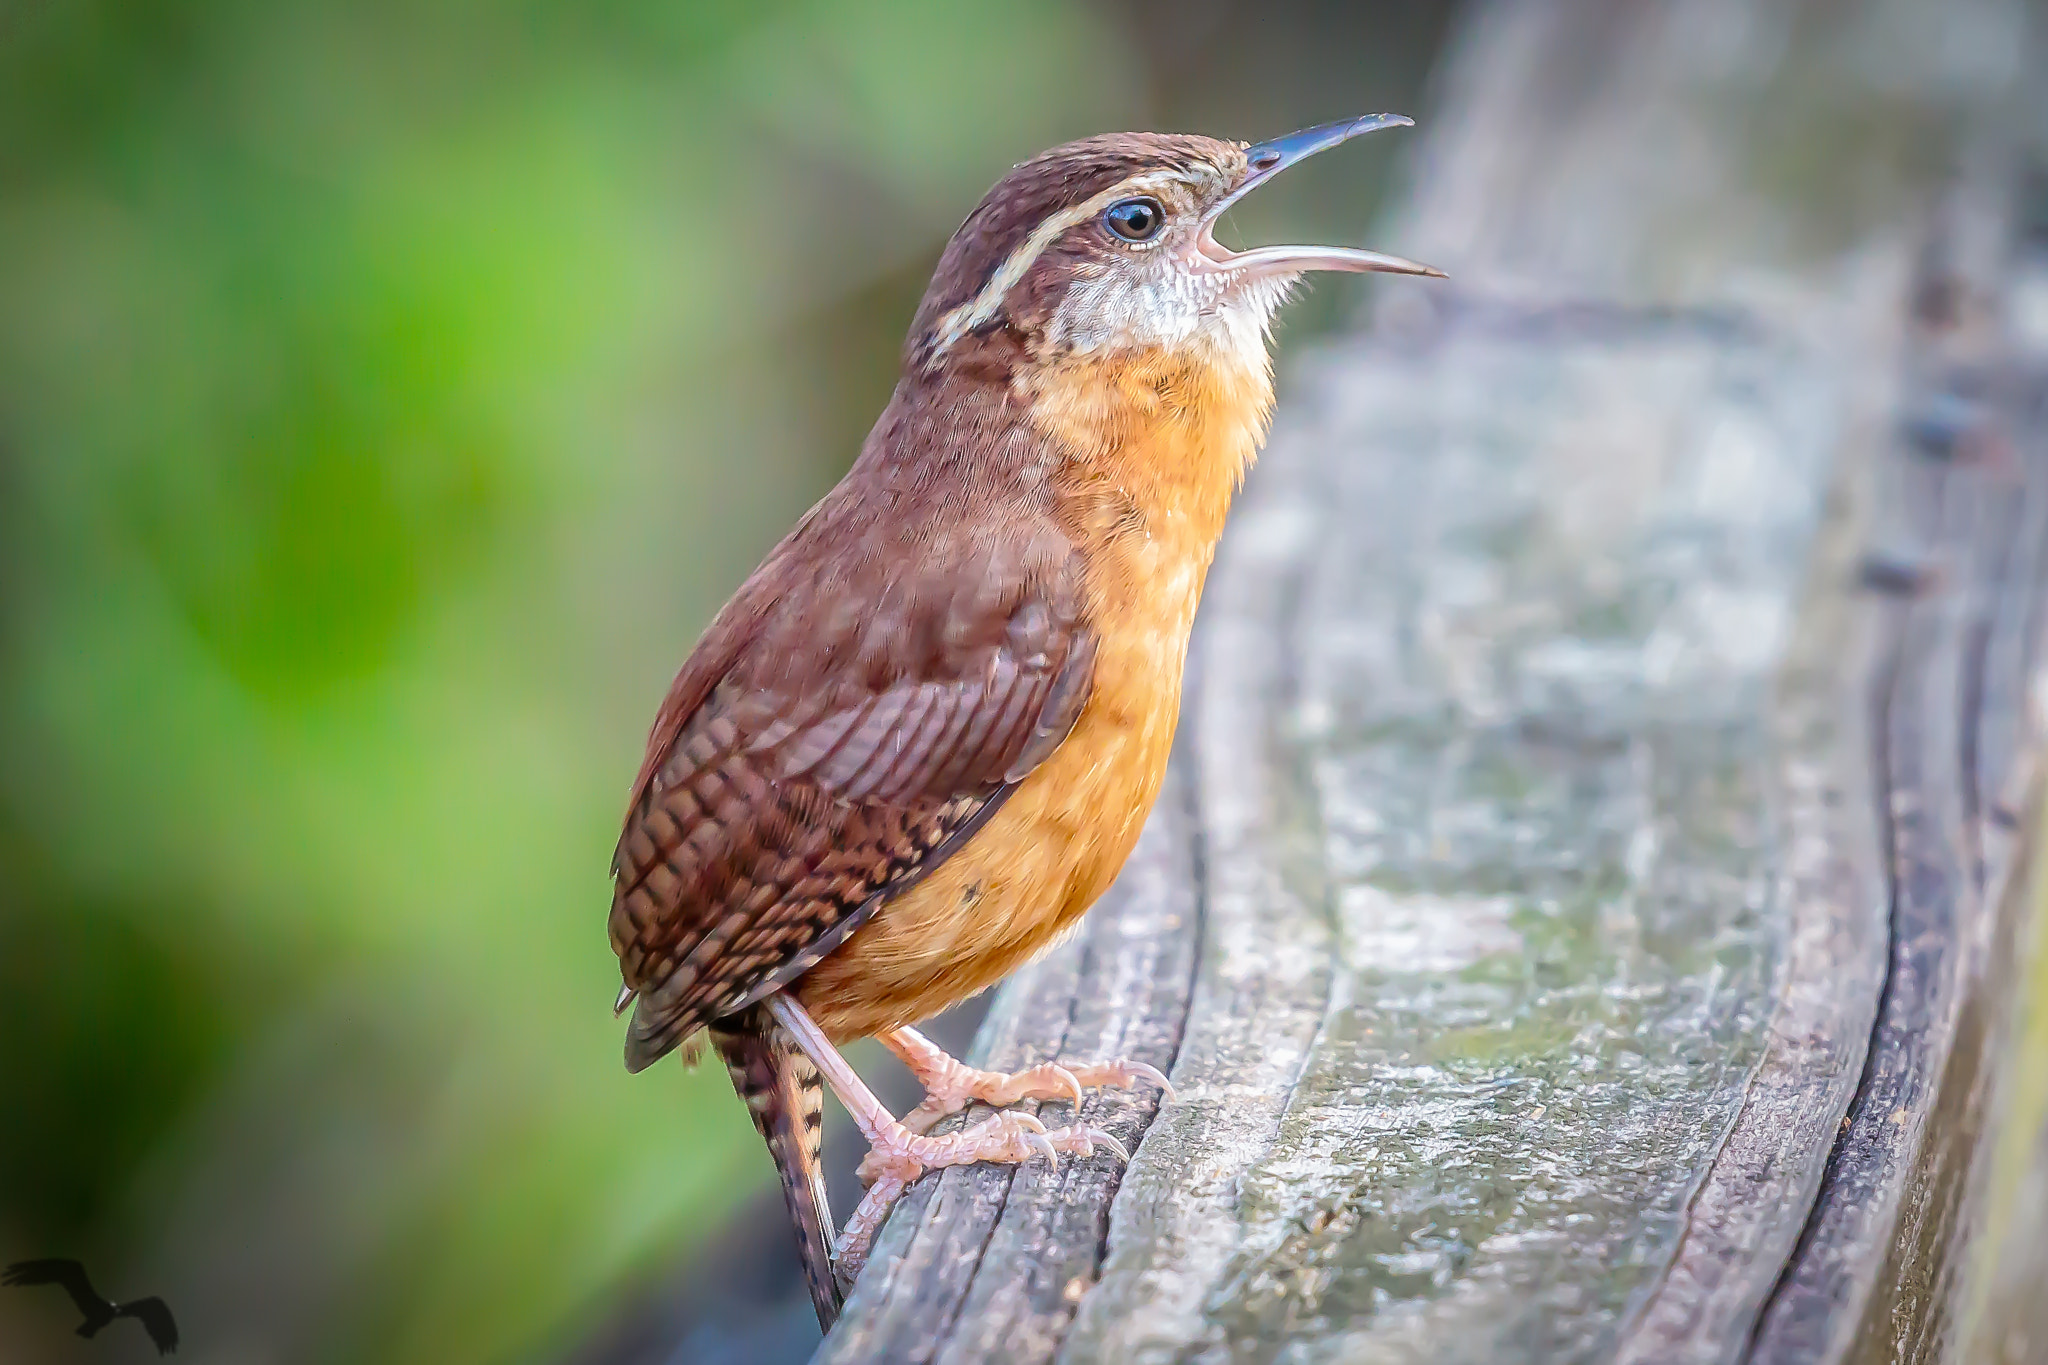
1135,220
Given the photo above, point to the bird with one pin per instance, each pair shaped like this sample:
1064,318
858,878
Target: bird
923,735
153,1313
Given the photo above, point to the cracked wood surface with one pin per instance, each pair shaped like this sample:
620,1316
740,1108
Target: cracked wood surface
1580,920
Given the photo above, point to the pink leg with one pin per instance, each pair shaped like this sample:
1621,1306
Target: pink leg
951,1085
898,1155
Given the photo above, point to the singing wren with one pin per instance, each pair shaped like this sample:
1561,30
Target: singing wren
921,738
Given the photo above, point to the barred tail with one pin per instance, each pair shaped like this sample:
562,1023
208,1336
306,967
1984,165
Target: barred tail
787,1100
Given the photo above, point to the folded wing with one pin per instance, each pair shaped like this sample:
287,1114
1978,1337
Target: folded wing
791,803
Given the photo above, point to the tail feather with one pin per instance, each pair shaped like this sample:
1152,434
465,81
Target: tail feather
786,1097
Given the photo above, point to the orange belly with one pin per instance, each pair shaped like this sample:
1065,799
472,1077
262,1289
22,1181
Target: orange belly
1169,437
1033,870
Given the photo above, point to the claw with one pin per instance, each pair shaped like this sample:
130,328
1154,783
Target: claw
1106,1140
1040,1143
1071,1081
1139,1071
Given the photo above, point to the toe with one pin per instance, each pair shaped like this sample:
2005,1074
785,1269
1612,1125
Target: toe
1125,1075
1082,1141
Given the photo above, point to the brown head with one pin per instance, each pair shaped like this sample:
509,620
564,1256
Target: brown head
1107,244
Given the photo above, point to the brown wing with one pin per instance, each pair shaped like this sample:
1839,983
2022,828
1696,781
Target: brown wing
804,791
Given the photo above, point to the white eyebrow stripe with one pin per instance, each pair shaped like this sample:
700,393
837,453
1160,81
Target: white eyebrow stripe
959,321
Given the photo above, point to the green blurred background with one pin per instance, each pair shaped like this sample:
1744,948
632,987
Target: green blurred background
388,394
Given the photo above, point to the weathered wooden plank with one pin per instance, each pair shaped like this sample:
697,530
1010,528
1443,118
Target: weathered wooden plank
2006,1313
1878,1274
1527,858
1753,1201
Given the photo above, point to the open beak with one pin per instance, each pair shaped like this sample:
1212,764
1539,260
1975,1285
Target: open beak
1267,160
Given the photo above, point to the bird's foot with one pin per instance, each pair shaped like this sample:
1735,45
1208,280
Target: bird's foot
900,1154
900,1151
904,1153
951,1085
